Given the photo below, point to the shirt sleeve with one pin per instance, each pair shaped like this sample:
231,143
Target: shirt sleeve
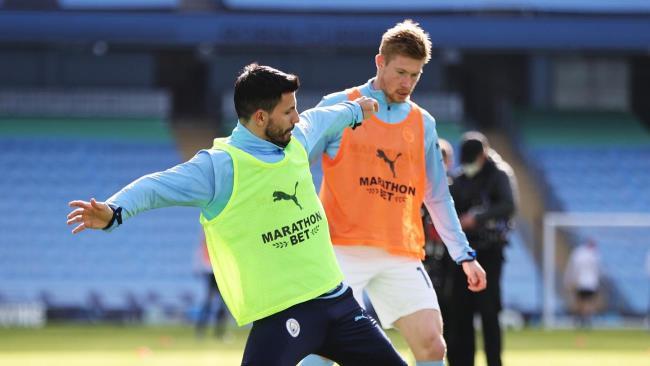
334,98
437,198
319,125
188,184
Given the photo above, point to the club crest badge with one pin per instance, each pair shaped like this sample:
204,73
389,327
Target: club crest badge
293,327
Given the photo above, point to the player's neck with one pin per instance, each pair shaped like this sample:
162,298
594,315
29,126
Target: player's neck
378,86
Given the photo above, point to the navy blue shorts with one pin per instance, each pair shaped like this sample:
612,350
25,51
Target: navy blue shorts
336,328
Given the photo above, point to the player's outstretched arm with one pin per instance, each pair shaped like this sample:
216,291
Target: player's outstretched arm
321,125
89,215
476,280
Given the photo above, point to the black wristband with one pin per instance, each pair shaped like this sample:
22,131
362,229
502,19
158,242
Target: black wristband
117,216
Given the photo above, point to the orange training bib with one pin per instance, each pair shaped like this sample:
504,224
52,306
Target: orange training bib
373,189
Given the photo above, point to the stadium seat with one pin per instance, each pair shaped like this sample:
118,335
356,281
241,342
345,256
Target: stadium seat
39,255
593,174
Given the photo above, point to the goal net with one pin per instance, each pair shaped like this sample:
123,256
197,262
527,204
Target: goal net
623,246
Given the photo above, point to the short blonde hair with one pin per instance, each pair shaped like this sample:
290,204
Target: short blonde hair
406,39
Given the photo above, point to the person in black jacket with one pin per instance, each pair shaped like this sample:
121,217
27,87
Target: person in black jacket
484,195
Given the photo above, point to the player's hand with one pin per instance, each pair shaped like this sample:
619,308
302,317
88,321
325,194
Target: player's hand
89,215
476,280
369,106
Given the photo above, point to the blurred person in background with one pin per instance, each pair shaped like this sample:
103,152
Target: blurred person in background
266,230
582,277
374,183
484,192
212,296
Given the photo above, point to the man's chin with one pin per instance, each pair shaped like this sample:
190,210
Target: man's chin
403,98
282,143
398,98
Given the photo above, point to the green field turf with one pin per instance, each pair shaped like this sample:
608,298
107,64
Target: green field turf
166,346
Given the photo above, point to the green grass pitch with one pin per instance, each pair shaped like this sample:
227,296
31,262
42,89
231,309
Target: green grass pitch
166,346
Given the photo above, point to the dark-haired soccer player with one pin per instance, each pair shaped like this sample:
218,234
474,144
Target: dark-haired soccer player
266,230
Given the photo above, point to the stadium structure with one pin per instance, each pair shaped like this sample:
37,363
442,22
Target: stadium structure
95,93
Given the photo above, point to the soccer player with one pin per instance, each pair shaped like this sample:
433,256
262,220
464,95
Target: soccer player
266,230
374,182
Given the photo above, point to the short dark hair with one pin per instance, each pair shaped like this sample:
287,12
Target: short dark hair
473,144
261,87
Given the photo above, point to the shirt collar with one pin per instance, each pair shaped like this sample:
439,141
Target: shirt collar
244,139
377,94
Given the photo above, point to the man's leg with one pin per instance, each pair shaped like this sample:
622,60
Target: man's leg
286,337
355,339
315,360
403,296
354,264
491,337
459,319
221,320
422,331
489,305
204,313
221,317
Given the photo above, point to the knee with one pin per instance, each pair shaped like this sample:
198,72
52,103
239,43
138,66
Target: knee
314,360
433,348
439,348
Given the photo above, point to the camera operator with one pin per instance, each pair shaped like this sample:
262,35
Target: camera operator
484,196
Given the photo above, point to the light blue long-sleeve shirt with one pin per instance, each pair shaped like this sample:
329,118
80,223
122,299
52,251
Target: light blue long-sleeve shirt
436,194
206,180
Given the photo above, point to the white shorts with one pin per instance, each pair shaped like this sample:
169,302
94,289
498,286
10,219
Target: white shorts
396,285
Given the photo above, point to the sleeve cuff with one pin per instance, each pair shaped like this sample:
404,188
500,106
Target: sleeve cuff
467,256
117,218
357,114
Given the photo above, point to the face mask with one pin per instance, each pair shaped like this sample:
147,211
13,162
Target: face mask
470,170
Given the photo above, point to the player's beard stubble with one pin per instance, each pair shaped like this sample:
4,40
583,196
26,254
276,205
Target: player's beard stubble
278,135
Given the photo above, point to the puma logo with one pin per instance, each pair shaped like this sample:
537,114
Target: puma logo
359,317
391,163
279,195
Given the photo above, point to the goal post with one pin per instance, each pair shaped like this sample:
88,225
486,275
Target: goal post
555,220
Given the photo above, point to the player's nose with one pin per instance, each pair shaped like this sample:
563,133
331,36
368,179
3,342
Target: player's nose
295,118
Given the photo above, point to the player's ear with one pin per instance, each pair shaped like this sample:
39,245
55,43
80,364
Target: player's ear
260,118
380,61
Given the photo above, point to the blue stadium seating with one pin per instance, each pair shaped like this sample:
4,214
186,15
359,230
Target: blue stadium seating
604,176
521,282
149,257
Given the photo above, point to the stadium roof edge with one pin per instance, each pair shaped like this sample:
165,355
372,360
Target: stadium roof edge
625,33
